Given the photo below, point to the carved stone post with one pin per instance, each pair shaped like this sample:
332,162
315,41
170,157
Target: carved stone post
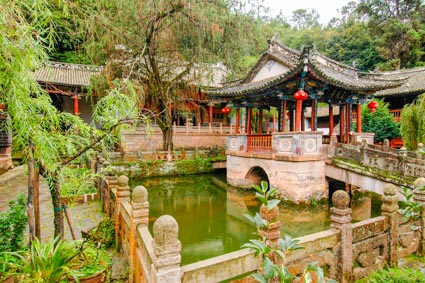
167,247
363,155
332,146
419,154
419,197
123,194
272,232
341,220
386,145
139,216
389,208
402,154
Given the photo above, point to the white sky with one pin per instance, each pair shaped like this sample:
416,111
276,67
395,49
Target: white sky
327,9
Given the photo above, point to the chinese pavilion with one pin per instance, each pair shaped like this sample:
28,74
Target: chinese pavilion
291,158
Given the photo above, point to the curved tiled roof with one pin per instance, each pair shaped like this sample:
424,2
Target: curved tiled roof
414,82
319,67
66,74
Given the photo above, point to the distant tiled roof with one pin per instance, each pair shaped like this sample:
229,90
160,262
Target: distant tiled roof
319,67
415,83
66,74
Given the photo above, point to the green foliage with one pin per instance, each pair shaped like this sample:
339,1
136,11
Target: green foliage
91,260
103,235
78,181
395,275
413,123
195,165
411,210
380,122
46,262
12,225
274,256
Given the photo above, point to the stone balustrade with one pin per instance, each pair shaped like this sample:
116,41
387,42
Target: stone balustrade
394,161
347,252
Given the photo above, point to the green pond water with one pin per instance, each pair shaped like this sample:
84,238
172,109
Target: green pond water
210,213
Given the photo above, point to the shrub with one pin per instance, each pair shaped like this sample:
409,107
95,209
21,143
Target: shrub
12,225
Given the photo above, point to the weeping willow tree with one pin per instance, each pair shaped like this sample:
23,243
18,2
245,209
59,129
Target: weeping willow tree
413,123
46,138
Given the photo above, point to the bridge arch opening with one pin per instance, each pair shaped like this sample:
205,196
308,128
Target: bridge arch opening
256,175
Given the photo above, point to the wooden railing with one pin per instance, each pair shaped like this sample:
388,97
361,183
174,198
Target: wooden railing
396,113
259,143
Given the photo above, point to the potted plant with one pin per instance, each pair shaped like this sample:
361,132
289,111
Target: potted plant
44,262
92,265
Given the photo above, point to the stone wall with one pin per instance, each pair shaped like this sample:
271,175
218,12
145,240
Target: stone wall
140,141
347,252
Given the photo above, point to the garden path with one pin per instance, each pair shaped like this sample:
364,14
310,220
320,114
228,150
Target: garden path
83,216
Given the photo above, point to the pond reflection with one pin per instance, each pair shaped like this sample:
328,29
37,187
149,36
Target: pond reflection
210,213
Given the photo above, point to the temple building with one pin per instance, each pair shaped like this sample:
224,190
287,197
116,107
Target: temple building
291,157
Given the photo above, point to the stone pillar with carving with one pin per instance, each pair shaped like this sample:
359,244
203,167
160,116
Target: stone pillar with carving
341,221
390,208
419,153
272,232
419,197
402,155
166,248
332,146
139,216
122,194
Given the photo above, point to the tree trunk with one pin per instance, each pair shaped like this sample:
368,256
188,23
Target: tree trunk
36,200
30,208
58,221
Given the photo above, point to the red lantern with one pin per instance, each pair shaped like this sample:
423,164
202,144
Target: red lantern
300,95
225,110
372,106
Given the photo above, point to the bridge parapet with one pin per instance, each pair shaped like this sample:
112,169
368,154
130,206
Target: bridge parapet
384,158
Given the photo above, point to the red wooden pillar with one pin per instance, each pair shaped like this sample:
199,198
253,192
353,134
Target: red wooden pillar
348,120
260,121
284,116
237,121
75,98
313,111
359,118
299,96
302,120
341,123
331,120
211,113
248,120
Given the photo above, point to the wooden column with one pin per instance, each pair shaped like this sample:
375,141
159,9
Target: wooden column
298,115
314,115
237,121
291,121
210,108
348,121
284,116
260,122
359,118
75,98
341,123
248,120
302,120
331,120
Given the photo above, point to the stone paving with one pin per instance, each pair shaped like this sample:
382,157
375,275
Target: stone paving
83,216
